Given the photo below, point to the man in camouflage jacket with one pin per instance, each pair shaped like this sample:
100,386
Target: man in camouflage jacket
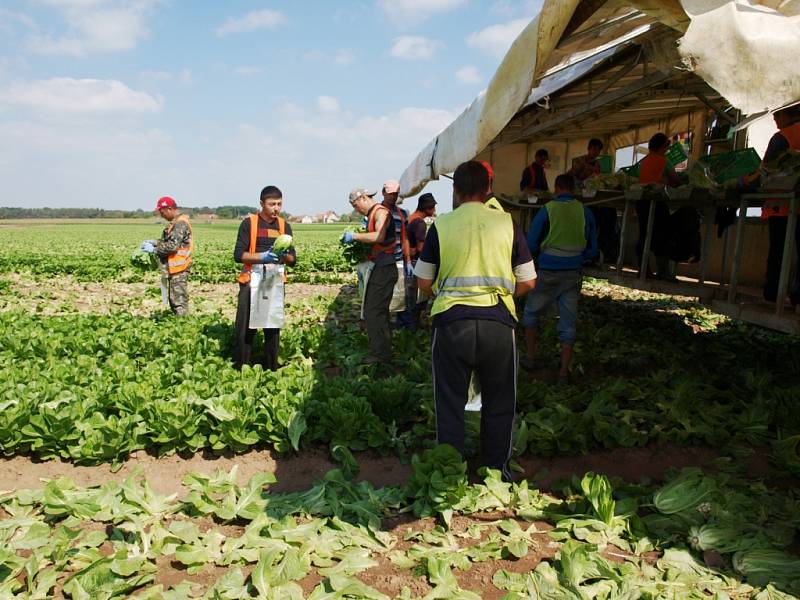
174,249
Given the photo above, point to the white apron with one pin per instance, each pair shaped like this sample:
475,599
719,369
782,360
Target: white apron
266,297
398,301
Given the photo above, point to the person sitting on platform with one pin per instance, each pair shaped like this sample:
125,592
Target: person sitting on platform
656,169
534,178
584,168
776,212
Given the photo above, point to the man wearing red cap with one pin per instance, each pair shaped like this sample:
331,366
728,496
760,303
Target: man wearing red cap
174,249
491,200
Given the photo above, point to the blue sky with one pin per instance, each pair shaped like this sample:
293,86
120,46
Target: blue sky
113,103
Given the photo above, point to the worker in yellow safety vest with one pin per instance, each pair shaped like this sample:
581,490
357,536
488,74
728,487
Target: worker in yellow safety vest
174,250
475,261
491,200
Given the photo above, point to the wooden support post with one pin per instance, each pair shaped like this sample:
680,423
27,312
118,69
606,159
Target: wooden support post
705,250
623,237
648,240
737,252
788,251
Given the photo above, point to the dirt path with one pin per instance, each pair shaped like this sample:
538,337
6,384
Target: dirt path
70,296
299,471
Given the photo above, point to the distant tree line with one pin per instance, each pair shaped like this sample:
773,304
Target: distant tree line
222,212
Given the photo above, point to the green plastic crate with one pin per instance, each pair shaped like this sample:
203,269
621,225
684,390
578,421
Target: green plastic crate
606,164
676,154
730,165
632,171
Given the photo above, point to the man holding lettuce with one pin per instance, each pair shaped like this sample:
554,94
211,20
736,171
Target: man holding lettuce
263,246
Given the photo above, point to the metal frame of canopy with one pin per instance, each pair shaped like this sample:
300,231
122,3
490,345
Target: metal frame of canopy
612,69
628,90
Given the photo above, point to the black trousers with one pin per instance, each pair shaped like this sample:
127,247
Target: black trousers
489,349
607,231
242,354
660,244
377,298
777,235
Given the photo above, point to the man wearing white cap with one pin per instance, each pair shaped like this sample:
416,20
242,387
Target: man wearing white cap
402,251
380,235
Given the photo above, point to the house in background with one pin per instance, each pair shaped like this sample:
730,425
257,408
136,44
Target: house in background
328,216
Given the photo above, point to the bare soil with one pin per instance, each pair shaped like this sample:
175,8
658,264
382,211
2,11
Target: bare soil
298,471
70,296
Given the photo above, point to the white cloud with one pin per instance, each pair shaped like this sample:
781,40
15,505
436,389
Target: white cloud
468,74
95,26
248,71
9,20
497,39
155,75
515,8
89,96
344,57
327,104
412,47
415,11
252,21
315,158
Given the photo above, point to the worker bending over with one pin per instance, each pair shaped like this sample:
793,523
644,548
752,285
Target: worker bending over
563,235
475,261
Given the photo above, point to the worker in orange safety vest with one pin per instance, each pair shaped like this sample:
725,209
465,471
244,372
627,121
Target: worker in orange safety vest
255,239
776,211
174,250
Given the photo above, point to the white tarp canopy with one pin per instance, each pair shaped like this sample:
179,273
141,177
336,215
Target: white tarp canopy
743,49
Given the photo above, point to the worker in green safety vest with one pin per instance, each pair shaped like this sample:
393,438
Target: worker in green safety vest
475,261
563,236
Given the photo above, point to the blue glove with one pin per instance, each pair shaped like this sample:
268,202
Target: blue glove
148,246
409,269
269,258
347,237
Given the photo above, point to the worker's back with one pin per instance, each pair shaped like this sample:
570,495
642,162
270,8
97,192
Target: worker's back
475,245
651,168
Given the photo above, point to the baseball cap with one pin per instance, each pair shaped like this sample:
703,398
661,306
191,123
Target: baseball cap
391,186
360,191
426,200
165,202
488,168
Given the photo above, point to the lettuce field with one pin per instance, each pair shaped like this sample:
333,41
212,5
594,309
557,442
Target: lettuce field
668,469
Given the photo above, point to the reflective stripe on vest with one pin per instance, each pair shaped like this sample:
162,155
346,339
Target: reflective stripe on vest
181,259
567,234
244,274
779,207
378,248
475,246
651,169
